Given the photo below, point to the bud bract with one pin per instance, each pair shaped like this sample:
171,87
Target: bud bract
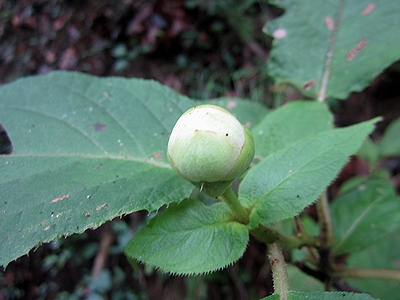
209,147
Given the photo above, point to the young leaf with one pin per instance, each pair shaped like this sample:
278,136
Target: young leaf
322,296
365,214
290,179
87,150
288,123
335,47
190,238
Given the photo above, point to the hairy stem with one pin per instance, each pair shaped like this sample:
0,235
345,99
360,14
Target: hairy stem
369,273
230,198
279,271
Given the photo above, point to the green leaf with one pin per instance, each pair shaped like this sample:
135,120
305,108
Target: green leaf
379,256
289,123
390,143
334,48
87,150
365,214
190,238
322,296
290,179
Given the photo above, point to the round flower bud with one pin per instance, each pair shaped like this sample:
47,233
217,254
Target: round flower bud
209,147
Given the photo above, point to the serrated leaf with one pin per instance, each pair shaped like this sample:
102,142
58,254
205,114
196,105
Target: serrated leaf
390,143
289,123
322,296
380,256
190,238
334,48
290,179
365,214
87,150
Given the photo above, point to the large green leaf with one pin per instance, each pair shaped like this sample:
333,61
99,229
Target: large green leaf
286,181
322,296
365,214
330,48
87,149
289,123
190,238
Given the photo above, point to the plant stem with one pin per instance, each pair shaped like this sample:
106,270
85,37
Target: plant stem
325,221
230,198
369,273
325,237
265,234
268,236
279,271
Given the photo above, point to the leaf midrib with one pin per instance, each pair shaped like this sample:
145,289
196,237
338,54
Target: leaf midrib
89,156
329,55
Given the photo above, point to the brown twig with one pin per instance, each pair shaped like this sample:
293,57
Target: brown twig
100,260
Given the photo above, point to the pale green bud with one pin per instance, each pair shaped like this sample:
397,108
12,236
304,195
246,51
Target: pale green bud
209,147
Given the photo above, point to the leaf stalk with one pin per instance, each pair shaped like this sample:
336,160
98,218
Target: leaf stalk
268,236
230,198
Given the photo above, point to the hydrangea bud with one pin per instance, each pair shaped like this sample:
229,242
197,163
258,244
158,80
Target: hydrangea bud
210,148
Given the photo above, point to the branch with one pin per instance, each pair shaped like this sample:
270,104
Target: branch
269,236
107,239
325,237
325,221
384,274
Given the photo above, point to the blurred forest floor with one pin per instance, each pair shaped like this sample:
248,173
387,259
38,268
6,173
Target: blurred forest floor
203,49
